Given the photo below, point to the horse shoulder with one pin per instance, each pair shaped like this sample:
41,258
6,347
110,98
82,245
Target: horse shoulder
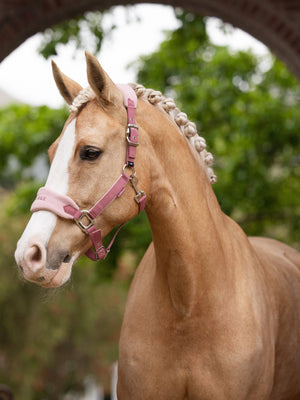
136,313
281,268
141,371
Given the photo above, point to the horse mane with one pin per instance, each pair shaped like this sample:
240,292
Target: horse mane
186,127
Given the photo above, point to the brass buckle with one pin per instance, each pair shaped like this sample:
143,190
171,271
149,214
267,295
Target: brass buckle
82,226
128,133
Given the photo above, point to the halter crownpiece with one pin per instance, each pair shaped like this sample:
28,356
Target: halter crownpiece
65,207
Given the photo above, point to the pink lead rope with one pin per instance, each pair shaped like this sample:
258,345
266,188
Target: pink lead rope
65,207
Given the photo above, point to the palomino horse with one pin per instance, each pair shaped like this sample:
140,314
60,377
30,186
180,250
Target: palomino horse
211,314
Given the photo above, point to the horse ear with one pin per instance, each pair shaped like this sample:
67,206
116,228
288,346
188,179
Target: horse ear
68,88
104,88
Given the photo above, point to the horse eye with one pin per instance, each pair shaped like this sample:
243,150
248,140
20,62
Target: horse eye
89,153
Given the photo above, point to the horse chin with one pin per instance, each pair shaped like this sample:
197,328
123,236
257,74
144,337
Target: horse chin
59,275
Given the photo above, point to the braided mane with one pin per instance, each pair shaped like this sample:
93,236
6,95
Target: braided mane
186,127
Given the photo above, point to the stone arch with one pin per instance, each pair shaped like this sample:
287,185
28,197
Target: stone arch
274,22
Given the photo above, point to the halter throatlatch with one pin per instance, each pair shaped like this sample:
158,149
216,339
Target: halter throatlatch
65,207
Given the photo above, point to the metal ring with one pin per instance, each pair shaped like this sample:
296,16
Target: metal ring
82,226
133,168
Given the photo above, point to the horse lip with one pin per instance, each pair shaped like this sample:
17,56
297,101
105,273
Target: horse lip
60,277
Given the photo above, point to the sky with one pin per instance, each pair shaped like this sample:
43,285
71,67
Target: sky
27,77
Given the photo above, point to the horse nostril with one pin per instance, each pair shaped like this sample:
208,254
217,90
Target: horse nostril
41,279
34,258
67,258
37,253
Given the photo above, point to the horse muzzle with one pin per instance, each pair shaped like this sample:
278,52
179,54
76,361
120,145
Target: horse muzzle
48,270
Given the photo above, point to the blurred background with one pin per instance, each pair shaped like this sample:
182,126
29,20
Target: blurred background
63,343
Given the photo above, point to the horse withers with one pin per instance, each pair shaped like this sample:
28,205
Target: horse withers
211,314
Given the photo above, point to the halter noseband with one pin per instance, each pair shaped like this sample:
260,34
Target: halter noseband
65,207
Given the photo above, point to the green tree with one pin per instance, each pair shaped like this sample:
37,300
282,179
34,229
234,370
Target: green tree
75,30
249,117
87,31
25,134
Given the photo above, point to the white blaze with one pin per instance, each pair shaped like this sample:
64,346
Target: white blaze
42,223
58,178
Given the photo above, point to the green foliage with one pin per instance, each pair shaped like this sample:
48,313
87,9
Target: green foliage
250,119
86,32
19,201
76,31
25,134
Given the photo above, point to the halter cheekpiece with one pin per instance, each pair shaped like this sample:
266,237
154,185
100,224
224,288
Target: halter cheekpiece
65,207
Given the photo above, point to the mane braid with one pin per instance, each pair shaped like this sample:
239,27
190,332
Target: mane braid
186,127
81,99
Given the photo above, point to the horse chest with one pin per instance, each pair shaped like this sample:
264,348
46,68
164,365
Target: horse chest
166,357
218,353
150,370
180,361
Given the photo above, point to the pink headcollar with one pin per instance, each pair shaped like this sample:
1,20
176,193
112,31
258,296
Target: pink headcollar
65,207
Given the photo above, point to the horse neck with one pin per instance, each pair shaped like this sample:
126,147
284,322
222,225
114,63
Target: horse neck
182,208
188,228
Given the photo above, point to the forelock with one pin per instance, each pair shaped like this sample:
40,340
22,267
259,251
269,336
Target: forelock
81,99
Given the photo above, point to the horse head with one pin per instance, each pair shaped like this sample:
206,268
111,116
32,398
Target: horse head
87,164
